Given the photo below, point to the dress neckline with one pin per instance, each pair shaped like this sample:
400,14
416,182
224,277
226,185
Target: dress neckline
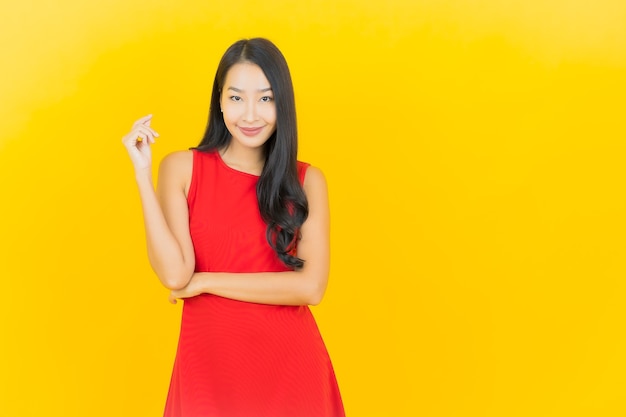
229,168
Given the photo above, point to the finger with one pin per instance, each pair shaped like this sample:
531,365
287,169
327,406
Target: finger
150,133
143,121
131,139
146,133
148,129
135,136
142,137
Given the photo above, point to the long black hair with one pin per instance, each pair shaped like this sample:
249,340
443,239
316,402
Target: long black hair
282,201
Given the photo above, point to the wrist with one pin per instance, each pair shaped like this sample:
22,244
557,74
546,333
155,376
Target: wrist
202,281
143,177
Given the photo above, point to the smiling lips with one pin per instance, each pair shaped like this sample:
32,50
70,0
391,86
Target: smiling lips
250,131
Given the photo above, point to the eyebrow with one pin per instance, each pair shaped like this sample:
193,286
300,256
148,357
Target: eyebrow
261,90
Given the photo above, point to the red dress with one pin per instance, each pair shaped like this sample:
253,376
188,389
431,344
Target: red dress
235,358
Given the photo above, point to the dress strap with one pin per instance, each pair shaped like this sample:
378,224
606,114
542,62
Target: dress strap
302,167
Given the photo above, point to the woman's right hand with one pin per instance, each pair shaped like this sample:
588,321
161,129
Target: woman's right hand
137,143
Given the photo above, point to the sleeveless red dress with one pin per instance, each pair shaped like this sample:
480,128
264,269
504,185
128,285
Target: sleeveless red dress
235,358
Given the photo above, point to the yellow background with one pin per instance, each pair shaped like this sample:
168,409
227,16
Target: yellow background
474,152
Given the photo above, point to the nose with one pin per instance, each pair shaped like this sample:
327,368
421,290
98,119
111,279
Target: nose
250,114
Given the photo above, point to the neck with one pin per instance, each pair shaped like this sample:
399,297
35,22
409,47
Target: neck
250,160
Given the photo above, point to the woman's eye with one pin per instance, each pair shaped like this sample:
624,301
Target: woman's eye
235,98
266,99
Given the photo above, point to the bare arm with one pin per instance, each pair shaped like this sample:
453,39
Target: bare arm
165,212
303,286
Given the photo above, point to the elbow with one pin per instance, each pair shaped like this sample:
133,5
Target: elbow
174,285
173,275
315,300
175,280
316,294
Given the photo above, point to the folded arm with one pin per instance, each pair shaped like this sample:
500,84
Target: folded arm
303,286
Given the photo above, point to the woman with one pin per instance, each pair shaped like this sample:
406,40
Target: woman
239,229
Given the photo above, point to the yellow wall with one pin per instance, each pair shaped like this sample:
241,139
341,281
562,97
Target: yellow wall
475,155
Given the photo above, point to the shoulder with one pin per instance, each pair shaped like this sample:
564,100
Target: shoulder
314,180
177,159
177,167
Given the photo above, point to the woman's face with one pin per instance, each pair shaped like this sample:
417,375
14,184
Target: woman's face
247,104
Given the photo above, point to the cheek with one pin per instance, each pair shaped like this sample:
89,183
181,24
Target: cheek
229,114
269,114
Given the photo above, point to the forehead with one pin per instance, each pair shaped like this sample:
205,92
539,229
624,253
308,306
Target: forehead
246,76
